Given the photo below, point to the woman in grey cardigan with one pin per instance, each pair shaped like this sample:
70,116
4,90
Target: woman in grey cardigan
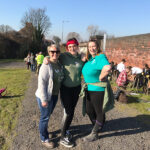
49,81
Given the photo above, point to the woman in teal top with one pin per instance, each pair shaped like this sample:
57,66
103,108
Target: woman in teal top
95,70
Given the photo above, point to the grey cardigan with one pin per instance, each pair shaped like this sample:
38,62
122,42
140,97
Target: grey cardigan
45,83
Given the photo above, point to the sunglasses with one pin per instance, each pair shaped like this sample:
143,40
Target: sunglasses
57,52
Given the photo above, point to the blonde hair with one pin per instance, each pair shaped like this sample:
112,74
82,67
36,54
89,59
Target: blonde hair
53,45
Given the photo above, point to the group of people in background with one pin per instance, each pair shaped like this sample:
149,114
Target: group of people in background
62,72
34,62
133,70
136,76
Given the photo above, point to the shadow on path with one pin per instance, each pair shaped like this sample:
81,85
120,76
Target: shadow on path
8,97
116,127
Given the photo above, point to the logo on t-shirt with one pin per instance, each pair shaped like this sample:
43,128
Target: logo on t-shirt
93,61
77,64
57,70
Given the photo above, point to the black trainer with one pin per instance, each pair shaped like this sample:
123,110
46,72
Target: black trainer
65,141
69,135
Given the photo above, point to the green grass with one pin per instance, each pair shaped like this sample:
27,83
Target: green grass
16,81
10,60
140,102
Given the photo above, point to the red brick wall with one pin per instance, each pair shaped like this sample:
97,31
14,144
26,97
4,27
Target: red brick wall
135,49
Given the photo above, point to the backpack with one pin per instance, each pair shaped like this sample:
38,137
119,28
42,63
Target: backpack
2,91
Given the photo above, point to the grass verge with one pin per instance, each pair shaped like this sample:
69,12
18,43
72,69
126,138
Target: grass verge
16,81
139,101
138,104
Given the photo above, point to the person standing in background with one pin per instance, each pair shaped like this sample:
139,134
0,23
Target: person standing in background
32,58
121,66
39,60
28,61
36,61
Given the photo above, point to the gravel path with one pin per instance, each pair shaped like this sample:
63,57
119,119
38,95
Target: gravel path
121,131
12,65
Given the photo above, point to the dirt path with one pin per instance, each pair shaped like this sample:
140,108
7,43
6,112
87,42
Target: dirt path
13,65
121,131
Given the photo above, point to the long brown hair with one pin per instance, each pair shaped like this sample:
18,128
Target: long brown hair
97,46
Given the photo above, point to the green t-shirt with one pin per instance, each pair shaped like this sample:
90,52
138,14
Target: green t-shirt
72,69
58,76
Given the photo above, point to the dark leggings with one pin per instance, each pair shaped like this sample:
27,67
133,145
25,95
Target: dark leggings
28,65
38,68
69,98
94,106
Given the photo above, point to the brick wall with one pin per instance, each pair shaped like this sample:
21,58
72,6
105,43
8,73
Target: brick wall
135,49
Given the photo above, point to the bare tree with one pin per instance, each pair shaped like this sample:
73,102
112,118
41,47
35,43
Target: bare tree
41,24
56,39
5,29
74,35
94,30
38,18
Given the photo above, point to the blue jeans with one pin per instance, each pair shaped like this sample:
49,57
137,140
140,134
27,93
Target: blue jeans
32,67
45,115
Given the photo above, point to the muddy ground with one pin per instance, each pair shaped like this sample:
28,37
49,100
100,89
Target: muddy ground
121,131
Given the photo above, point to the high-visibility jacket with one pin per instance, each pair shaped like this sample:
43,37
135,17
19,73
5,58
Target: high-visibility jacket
39,59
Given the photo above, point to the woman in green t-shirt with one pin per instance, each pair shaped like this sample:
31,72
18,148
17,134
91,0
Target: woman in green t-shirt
70,88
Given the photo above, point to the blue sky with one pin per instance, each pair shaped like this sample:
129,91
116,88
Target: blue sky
116,17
